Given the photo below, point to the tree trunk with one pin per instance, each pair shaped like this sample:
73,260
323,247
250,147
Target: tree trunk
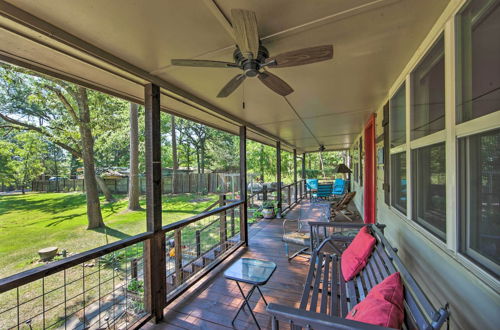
321,164
133,189
202,183
104,188
261,161
199,170
93,205
174,156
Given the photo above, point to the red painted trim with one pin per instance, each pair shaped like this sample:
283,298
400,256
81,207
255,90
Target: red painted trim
370,172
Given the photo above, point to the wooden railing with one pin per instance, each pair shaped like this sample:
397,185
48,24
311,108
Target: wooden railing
200,243
105,287
292,194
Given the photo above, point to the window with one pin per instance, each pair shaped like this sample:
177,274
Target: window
429,188
428,93
397,108
361,160
398,190
478,74
480,195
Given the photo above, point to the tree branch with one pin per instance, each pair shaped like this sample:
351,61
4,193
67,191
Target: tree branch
30,127
64,101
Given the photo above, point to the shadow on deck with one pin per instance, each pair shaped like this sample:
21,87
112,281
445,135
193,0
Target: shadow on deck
213,303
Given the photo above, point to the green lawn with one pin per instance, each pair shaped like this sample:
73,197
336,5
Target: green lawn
37,220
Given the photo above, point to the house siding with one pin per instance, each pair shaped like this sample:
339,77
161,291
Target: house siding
443,273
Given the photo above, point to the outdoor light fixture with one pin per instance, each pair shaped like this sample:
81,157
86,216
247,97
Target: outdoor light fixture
342,168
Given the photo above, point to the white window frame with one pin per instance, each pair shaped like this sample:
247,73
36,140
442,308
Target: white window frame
456,131
446,25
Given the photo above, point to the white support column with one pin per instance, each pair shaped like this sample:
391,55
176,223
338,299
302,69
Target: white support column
451,142
409,184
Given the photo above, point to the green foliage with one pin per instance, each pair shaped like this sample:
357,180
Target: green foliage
136,286
257,214
27,158
269,205
112,260
7,166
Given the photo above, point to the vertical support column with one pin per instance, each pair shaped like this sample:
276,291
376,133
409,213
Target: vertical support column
451,140
408,121
295,173
223,222
243,185
178,256
278,178
304,174
154,249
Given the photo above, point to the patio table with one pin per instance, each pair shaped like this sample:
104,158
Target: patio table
251,271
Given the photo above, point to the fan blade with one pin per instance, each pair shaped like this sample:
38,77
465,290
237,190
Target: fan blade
302,56
203,63
231,85
246,32
275,83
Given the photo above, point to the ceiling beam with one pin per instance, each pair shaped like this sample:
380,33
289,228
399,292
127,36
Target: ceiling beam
219,15
34,23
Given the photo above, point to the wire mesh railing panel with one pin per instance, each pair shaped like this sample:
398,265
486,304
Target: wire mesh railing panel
285,197
194,247
105,292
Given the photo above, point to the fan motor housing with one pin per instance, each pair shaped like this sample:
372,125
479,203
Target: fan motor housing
250,64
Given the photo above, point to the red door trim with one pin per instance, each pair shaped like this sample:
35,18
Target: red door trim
370,172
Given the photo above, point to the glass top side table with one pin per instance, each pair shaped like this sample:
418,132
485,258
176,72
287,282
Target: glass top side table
251,271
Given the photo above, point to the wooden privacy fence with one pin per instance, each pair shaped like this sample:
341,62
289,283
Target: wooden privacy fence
184,183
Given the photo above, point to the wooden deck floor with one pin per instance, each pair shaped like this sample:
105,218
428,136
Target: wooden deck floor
212,304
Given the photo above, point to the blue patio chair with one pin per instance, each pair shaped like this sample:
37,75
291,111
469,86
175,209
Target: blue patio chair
324,191
339,187
311,184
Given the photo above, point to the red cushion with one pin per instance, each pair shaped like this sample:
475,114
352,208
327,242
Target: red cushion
355,257
383,305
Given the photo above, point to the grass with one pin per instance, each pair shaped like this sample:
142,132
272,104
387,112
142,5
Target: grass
37,220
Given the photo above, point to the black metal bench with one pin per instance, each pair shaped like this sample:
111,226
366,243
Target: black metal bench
327,298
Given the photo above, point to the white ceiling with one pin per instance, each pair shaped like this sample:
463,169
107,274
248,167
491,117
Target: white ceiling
373,40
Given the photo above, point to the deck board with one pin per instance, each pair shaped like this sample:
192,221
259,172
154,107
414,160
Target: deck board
212,304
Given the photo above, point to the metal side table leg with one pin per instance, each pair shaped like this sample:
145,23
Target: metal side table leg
247,303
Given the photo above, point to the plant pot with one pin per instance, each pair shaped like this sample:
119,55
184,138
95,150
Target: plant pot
268,213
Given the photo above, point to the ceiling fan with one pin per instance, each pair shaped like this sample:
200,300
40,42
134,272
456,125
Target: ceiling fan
251,57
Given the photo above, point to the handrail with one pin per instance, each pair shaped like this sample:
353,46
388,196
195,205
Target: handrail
194,218
16,280
37,273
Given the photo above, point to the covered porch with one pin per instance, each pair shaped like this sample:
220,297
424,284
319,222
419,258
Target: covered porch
420,132
213,303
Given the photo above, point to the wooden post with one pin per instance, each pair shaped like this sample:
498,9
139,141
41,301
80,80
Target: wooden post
198,244
264,193
278,178
154,250
223,222
304,172
243,185
295,172
133,268
178,256
232,223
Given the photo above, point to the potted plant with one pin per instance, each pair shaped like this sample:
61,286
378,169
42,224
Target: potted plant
268,210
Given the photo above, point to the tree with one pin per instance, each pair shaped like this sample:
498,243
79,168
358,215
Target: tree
28,163
7,167
133,191
196,135
61,112
175,166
